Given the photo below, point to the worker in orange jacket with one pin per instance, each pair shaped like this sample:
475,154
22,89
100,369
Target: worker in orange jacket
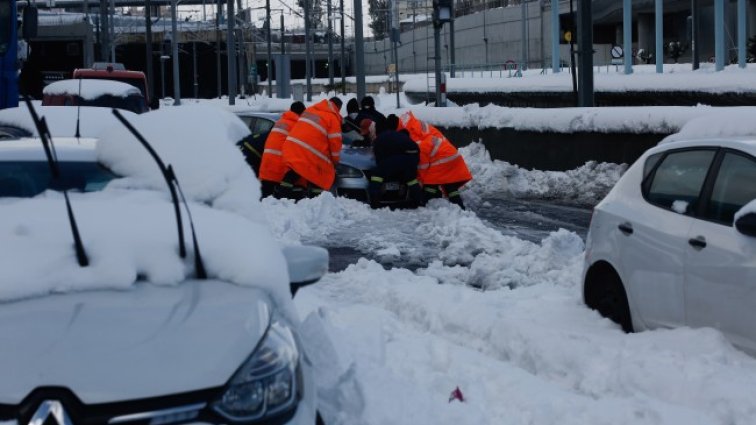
313,147
442,170
272,167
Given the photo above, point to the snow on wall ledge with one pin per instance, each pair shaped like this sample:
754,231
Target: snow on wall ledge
652,119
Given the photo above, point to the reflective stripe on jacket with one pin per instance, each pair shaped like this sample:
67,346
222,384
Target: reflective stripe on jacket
440,162
273,168
313,145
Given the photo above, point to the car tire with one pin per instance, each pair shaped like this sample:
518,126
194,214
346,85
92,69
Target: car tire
605,293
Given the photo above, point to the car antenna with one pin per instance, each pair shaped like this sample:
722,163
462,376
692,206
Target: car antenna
173,185
78,112
52,160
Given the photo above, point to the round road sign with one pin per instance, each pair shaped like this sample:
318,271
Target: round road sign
617,52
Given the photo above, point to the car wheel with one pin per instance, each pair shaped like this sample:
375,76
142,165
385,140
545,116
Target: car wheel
604,292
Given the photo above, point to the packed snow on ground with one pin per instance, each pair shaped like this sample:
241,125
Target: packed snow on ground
731,80
61,120
91,89
721,123
499,317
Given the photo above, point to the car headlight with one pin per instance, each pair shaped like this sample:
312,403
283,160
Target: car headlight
347,171
267,383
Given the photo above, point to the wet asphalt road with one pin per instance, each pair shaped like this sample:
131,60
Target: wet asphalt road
530,220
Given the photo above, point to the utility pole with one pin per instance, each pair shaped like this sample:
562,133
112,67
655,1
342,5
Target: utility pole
112,31
194,66
719,35
175,54
555,65
452,46
218,70
627,35
442,13
342,62
695,18
395,35
742,11
104,36
330,44
659,36
308,52
359,45
585,53
231,50
270,47
148,47
524,58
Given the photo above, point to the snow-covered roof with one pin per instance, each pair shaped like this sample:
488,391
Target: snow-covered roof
61,120
91,89
719,124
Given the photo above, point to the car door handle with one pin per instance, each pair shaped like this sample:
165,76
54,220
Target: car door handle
698,243
626,228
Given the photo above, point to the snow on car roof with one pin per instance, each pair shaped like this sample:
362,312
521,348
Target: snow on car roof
61,120
734,126
200,143
91,89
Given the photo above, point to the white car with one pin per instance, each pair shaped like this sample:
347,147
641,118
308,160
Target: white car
665,249
134,335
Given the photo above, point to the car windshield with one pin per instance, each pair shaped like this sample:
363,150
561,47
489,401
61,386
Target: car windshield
25,179
134,104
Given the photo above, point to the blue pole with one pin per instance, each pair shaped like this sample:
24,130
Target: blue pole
627,35
742,33
555,36
719,36
659,37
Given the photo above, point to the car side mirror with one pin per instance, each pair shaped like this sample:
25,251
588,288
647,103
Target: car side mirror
747,224
307,264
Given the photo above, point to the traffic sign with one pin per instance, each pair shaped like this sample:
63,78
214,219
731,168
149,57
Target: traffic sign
617,52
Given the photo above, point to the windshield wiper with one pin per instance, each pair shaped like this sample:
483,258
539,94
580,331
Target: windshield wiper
52,160
174,187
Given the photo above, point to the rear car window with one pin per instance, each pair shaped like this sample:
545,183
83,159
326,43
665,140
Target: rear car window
734,187
676,184
262,125
25,179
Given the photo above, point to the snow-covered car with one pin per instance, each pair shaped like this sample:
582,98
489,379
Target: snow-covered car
136,332
62,121
674,242
89,92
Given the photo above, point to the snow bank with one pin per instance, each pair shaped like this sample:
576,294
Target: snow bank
199,143
61,120
720,123
732,80
91,89
129,236
585,185
531,355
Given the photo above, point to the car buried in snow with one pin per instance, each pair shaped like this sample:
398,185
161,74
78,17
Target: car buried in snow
674,242
353,170
124,326
93,92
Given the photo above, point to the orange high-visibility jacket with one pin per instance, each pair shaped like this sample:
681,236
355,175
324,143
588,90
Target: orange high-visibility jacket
272,167
440,162
313,146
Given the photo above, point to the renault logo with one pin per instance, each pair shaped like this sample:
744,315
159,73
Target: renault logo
50,408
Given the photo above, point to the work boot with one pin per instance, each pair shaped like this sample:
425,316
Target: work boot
415,193
374,189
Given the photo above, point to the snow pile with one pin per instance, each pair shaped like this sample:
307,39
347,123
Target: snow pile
453,244
90,89
129,236
402,342
585,185
61,120
199,145
732,122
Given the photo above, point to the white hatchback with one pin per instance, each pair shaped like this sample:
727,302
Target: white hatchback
665,248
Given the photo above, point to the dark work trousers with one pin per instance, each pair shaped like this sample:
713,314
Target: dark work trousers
401,168
451,190
290,187
268,188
